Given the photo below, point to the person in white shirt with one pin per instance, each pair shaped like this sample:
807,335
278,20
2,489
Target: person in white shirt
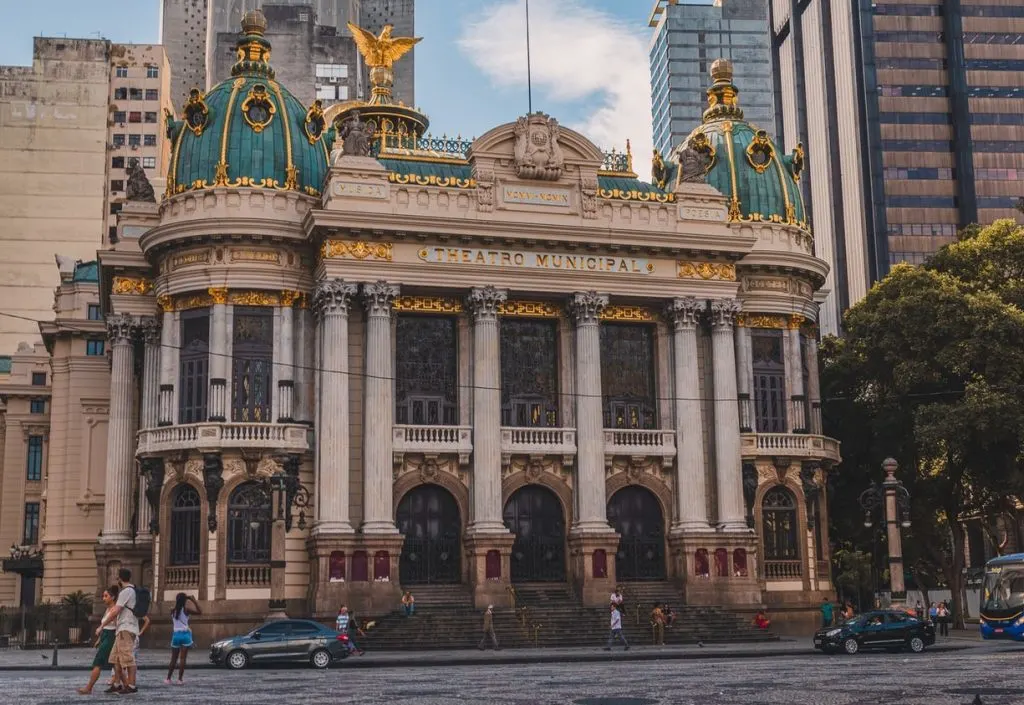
127,628
616,630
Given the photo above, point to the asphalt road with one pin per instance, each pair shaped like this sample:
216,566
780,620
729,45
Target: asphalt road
951,678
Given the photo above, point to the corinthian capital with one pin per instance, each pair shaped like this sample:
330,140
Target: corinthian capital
333,296
149,327
485,301
586,306
684,313
378,297
120,328
724,312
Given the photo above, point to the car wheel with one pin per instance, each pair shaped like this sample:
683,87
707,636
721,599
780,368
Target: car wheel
916,644
320,659
851,646
237,660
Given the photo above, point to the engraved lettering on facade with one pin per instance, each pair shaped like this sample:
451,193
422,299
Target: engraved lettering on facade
535,260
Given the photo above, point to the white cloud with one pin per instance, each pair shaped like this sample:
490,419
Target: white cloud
577,53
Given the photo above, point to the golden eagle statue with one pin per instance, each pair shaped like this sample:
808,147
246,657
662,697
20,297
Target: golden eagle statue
384,50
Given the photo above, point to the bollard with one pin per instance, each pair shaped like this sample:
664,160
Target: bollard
53,661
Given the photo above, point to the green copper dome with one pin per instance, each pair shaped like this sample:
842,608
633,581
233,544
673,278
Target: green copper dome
745,164
248,131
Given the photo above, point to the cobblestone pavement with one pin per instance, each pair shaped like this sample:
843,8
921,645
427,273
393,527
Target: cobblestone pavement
951,678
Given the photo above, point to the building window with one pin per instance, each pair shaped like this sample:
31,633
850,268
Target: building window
38,379
135,94
329,71
121,72
529,372
149,117
94,313
920,201
119,140
115,208
251,363
186,508
779,525
134,140
426,379
149,140
149,162
120,94
31,523
135,116
627,375
249,525
37,406
94,347
194,365
152,72
34,463
117,163
152,94
120,117
117,185
769,381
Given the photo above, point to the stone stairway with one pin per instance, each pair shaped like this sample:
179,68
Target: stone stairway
549,615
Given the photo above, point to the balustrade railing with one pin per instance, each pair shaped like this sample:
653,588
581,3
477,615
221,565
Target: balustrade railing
182,576
640,442
533,440
790,444
816,428
746,413
798,413
432,439
248,575
783,570
230,435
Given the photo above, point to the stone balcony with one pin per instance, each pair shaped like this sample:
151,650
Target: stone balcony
798,446
638,444
432,441
534,441
213,437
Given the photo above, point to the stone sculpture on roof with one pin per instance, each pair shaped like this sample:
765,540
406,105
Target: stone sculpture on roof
138,187
537,152
356,136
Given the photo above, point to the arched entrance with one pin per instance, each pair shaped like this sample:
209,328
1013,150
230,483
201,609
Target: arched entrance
635,513
428,517
534,514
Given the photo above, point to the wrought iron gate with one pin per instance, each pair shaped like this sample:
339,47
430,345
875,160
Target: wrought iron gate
635,513
535,516
429,518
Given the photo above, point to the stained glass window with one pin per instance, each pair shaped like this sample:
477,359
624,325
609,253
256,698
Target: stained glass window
249,525
194,366
251,364
185,526
627,375
427,373
779,519
769,381
529,372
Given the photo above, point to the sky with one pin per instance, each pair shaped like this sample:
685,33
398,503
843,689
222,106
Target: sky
589,59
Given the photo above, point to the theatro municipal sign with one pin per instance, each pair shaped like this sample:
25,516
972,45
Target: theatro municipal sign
521,259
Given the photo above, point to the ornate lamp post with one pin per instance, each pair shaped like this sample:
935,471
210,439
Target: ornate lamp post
892,501
285,490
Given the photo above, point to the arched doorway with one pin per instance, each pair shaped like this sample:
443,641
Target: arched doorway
534,514
428,517
636,514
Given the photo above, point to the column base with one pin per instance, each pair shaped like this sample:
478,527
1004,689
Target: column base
491,579
381,592
596,527
592,581
735,527
379,528
489,528
111,558
704,581
327,594
332,529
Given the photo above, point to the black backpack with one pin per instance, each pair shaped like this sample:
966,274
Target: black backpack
142,600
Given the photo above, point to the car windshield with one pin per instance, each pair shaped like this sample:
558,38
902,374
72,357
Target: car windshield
1003,588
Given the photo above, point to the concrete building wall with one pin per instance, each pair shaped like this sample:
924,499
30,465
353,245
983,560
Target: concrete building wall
53,132
183,31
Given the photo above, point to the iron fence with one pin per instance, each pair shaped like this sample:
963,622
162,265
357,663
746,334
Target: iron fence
41,625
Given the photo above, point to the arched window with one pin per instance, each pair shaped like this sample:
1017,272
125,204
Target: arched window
779,525
249,524
252,357
186,510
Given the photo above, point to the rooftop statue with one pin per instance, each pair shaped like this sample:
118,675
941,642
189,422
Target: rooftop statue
383,50
138,187
356,136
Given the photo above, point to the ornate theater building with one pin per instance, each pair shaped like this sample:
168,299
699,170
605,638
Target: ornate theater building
348,360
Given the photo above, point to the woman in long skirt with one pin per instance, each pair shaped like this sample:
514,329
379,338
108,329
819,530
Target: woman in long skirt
105,642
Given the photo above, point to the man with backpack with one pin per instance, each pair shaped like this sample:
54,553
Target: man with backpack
132,603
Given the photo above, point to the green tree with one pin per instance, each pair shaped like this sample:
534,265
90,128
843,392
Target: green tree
931,372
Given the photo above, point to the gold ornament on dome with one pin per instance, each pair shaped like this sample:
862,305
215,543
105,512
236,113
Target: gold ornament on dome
315,122
257,109
760,152
196,113
131,286
707,271
380,251
426,304
627,314
529,309
798,161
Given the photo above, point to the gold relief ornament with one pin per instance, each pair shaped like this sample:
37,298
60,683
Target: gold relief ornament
220,176
426,304
257,109
165,302
530,309
795,321
315,122
760,152
131,286
760,320
219,295
289,298
196,113
332,249
798,160
708,271
629,314
254,298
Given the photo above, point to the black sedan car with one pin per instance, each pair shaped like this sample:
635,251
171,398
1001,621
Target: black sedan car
882,629
282,641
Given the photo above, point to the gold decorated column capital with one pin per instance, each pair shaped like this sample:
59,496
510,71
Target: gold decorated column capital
218,294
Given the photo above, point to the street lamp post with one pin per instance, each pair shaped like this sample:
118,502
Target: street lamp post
892,501
285,491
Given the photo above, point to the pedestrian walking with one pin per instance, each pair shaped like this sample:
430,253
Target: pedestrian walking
105,641
354,627
408,604
658,625
933,613
826,612
489,630
617,599
346,624
943,619
181,634
126,625
919,611
615,633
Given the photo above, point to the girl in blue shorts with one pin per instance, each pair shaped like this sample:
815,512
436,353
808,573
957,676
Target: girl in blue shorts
181,636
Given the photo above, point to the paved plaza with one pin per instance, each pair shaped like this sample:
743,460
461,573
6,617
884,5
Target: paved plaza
937,678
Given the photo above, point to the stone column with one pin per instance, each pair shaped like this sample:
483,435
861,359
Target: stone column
813,385
286,365
586,308
487,509
166,411
149,418
218,404
378,418
691,493
797,416
117,501
745,376
331,302
727,423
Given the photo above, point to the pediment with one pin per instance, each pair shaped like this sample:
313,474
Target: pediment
536,148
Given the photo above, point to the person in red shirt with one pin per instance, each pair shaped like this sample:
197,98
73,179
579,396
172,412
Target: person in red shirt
761,621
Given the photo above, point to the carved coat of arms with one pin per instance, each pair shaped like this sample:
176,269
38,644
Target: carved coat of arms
537,152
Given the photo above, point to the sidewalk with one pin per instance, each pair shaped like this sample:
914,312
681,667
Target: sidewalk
157,659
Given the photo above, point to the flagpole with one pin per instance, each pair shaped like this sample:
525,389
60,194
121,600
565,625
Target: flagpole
529,78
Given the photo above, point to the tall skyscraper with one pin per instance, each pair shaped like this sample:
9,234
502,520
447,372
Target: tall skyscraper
313,47
689,36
